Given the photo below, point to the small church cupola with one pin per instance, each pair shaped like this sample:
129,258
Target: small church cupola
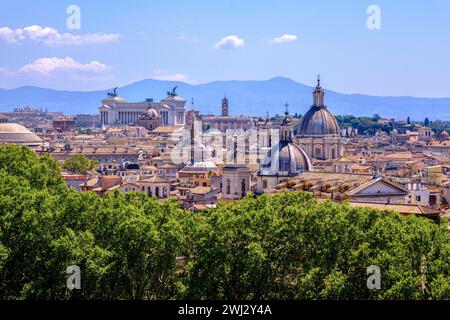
286,129
318,95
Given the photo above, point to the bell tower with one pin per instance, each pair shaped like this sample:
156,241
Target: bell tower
225,107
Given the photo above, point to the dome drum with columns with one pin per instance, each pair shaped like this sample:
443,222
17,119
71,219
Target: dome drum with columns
318,132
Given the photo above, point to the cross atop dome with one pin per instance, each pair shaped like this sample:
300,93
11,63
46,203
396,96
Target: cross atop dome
286,112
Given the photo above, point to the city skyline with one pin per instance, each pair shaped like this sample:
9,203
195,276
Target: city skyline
200,42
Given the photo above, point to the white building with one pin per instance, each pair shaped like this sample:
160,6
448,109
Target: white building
378,190
155,187
116,110
236,181
418,194
425,134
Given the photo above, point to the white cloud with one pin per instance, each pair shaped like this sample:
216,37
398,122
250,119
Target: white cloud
45,66
59,74
51,37
230,42
284,38
164,75
50,66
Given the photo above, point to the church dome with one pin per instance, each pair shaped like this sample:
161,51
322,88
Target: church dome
444,135
13,133
151,114
318,121
289,160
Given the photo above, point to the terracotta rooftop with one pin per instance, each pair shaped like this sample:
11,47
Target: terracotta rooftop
401,208
201,190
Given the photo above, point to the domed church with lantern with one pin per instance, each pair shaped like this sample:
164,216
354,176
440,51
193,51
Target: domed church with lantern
318,132
286,159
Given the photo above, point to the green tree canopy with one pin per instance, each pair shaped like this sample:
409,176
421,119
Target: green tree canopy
130,246
79,164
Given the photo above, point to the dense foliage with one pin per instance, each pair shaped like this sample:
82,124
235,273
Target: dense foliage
365,125
288,246
79,164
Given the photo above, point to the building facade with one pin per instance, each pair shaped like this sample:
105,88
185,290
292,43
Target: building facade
236,181
86,120
116,110
63,124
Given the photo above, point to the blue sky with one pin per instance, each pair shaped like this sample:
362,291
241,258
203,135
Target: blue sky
124,41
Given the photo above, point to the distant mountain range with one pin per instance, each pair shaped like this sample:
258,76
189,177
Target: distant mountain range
246,97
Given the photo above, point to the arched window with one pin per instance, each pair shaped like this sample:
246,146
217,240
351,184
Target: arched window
228,186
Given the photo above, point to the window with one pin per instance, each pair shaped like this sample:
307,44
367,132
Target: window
264,184
165,117
418,198
317,153
180,117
